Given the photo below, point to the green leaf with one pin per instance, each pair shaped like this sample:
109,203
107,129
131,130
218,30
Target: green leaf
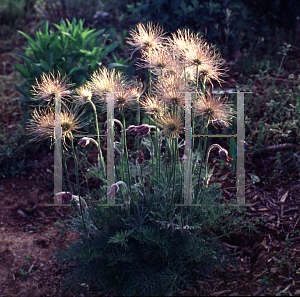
28,38
70,36
21,90
23,56
23,70
121,238
38,69
113,65
76,69
110,48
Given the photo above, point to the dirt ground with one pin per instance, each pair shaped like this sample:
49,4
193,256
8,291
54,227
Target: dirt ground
268,262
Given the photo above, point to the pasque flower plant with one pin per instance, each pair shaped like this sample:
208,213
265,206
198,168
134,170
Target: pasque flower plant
136,240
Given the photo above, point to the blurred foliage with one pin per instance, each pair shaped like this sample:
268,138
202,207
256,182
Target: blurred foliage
12,11
231,24
222,22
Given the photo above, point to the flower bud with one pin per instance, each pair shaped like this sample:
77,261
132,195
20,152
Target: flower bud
130,129
63,197
221,125
142,130
140,159
113,189
83,142
224,156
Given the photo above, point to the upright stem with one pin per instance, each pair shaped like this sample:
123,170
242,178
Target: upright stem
67,172
77,180
138,120
98,139
65,189
157,151
126,151
203,85
202,159
150,80
174,147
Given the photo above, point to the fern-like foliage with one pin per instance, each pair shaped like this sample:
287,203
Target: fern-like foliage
148,248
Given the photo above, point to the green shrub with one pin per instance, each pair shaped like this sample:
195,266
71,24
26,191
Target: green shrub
71,49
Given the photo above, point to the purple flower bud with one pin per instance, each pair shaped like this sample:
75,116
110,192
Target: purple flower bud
224,156
63,198
131,129
83,142
142,130
140,159
113,189
221,125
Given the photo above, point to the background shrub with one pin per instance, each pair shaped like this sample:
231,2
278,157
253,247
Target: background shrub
71,49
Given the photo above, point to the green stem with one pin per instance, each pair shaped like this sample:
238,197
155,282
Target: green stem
77,180
197,76
202,159
207,155
138,120
98,139
126,151
174,146
65,189
203,85
67,172
150,80
157,151
159,166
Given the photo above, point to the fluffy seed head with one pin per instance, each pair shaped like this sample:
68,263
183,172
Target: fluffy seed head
172,124
83,94
145,38
70,122
160,60
213,107
152,105
42,124
103,81
198,56
172,90
51,85
126,94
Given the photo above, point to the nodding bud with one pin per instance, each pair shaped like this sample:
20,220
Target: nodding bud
224,156
142,130
130,129
113,189
221,125
83,142
140,159
63,197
